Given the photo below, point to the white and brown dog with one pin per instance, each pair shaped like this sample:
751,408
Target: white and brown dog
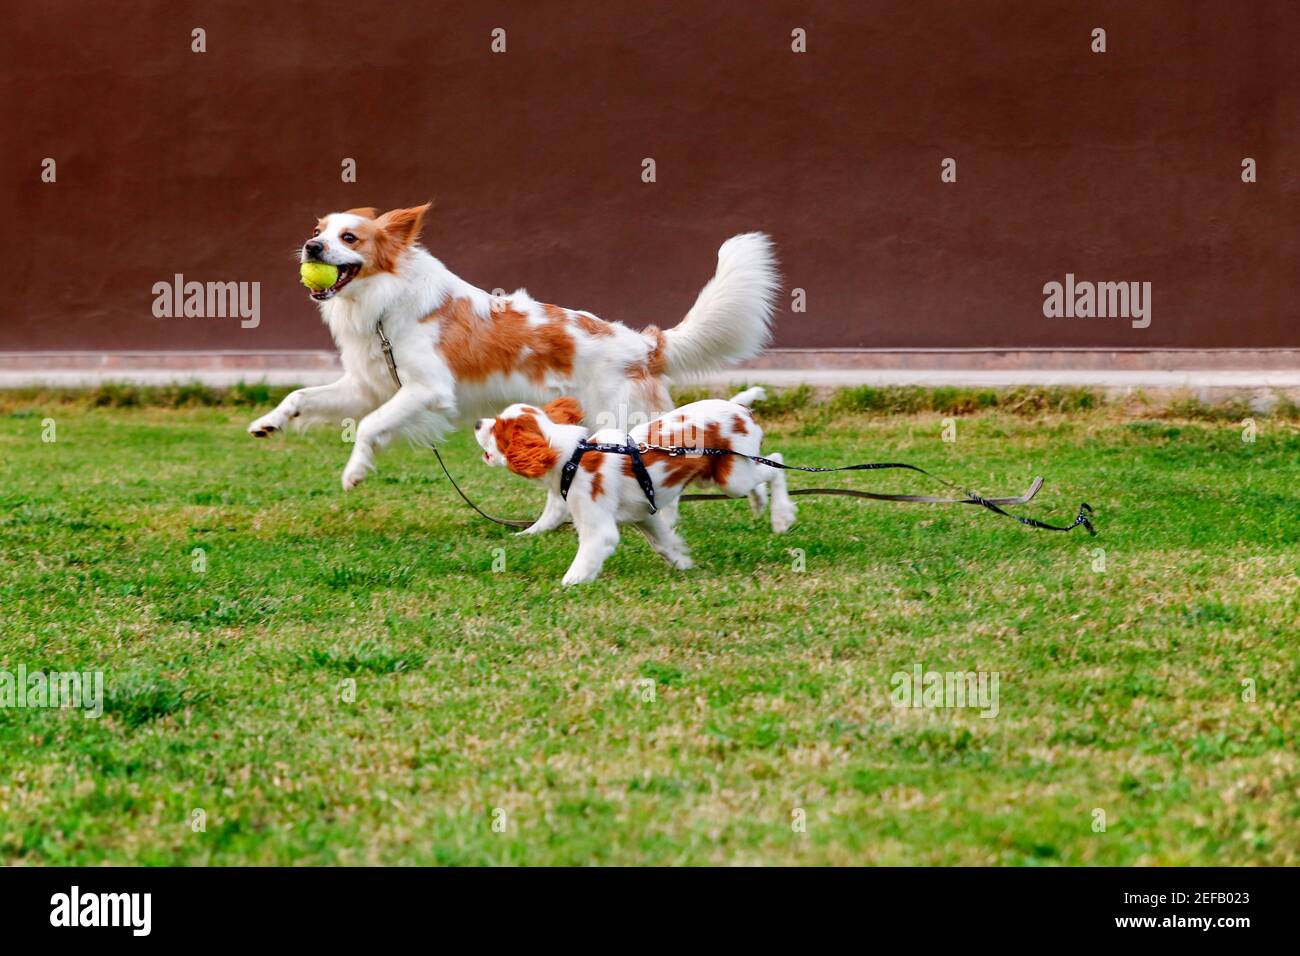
604,493
461,352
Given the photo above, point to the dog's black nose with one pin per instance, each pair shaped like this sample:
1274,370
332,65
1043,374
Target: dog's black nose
314,248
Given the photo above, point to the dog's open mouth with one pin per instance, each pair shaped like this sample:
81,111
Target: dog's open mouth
346,274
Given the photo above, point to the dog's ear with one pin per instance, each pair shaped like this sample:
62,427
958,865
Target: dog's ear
564,411
526,449
403,225
365,212
395,230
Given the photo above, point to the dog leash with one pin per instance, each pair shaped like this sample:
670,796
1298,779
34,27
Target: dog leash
1028,496
926,499
386,347
1081,518
635,450
508,522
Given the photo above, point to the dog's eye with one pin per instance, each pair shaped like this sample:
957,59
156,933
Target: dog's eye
348,237
315,233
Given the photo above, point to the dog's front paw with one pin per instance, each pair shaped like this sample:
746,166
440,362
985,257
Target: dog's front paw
266,425
353,475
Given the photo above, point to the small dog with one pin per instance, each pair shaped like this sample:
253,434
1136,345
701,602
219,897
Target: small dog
537,443
460,352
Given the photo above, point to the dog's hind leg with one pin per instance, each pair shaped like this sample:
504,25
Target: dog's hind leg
783,508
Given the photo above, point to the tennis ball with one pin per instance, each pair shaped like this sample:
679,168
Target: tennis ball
318,276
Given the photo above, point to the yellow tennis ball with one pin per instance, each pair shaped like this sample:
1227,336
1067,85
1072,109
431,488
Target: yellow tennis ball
318,276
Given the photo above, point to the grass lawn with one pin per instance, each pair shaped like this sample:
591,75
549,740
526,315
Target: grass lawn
356,678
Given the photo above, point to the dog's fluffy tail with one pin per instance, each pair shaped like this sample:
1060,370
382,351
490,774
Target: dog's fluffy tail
732,317
749,396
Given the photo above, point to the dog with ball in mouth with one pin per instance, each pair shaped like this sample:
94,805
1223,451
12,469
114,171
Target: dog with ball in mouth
423,350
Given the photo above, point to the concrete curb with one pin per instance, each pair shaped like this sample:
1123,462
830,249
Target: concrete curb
1112,370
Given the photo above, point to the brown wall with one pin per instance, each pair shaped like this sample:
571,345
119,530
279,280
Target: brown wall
1122,166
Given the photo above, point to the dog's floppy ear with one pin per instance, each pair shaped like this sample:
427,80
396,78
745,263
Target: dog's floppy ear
564,411
403,225
365,212
526,449
395,230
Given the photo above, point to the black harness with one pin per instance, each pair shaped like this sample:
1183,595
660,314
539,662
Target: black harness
630,449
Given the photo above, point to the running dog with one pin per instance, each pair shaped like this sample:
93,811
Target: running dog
397,314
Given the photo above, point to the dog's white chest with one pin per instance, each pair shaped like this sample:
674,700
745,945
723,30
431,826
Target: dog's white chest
361,351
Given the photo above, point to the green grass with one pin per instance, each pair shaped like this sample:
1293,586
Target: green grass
350,681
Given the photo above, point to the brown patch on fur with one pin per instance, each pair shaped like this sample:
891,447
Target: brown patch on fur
551,350
365,212
738,423
476,347
591,463
646,375
596,328
656,362
683,469
564,411
525,447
